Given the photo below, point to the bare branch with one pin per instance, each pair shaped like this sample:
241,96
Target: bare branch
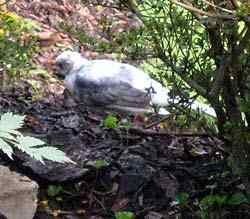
218,82
204,13
234,3
218,7
245,41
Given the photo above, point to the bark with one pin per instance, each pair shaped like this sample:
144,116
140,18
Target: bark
241,156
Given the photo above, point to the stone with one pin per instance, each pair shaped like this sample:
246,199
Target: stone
153,215
18,195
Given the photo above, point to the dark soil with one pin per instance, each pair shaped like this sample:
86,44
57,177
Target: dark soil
145,168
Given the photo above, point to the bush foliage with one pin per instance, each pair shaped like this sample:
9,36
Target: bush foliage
17,45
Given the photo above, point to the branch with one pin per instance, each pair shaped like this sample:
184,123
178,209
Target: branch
201,12
140,131
218,82
193,84
234,3
245,41
218,7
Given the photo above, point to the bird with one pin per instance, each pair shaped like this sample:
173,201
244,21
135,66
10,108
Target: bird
110,84
115,85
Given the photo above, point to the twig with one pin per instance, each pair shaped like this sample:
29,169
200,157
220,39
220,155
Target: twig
100,203
157,122
218,7
219,79
201,12
235,3
141,131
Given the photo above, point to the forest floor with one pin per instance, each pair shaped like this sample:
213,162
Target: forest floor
153,172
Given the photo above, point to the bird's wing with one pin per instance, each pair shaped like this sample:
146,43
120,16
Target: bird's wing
109,91
119,83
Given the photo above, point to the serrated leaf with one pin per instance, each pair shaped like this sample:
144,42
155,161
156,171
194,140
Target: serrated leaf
54,154
10,122
7,135
15,132
30,145
27,141
6,148
35,154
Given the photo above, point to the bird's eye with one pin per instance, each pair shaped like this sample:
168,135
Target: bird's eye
60,65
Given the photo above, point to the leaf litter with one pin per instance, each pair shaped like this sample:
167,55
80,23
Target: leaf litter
144,170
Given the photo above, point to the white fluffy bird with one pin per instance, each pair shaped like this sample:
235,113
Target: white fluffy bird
110,84
114,85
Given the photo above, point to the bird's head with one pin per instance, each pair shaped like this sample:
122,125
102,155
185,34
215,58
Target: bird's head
68,62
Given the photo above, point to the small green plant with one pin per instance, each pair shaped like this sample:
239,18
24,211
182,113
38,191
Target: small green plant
210,206
182,198
17,45
111,122
237,199
124,215
11,138
54,191
99,164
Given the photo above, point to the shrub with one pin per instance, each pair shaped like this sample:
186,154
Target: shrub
17,45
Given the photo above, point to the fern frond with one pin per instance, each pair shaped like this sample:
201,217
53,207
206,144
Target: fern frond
32,146
36,148
7,135
6,148
9,122
28,142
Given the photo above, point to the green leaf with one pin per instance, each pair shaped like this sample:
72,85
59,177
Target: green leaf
29,145
10,122
100,164
211,200
6,148
53,190
221,199
111,122
27,141
124,215
208,200
7,135
237,199
182,198
53,154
